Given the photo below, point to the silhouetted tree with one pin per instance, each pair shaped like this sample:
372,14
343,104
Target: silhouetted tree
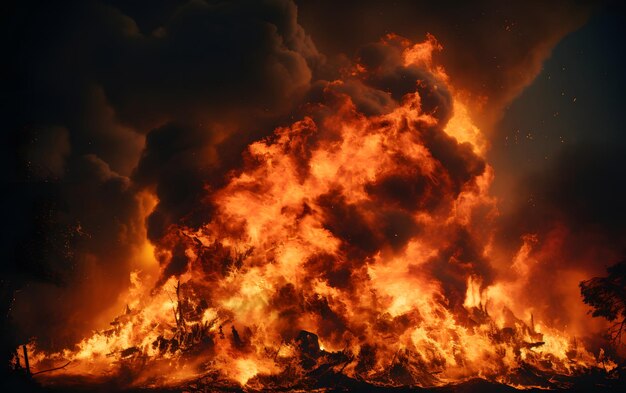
607,296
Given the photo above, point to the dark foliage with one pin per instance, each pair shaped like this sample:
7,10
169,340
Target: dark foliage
607,296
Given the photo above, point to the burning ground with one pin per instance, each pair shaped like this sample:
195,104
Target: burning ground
288,221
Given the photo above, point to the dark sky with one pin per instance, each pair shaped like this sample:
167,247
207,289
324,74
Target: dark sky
573,105
558,151
106,100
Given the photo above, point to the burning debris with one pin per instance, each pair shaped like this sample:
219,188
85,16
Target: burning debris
351,250
303,364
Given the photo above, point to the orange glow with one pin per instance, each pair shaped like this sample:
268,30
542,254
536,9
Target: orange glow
313,235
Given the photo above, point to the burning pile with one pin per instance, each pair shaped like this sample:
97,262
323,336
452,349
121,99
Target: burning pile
355,243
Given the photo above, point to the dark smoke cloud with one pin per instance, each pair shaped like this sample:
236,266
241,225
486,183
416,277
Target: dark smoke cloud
98,99
177,160
368,100
386,72
382,80
211,57
461,258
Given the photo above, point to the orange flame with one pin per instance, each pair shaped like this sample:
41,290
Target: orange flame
338,226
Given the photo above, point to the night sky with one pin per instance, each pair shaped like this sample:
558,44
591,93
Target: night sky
558,149
106,101
563,129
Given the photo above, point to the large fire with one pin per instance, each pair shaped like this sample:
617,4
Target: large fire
350,244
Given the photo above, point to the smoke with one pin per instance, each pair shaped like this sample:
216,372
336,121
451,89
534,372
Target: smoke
97,111
115,100
492,50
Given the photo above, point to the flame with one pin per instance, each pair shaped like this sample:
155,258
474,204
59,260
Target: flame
329,247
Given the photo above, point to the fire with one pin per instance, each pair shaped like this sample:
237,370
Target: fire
355,243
